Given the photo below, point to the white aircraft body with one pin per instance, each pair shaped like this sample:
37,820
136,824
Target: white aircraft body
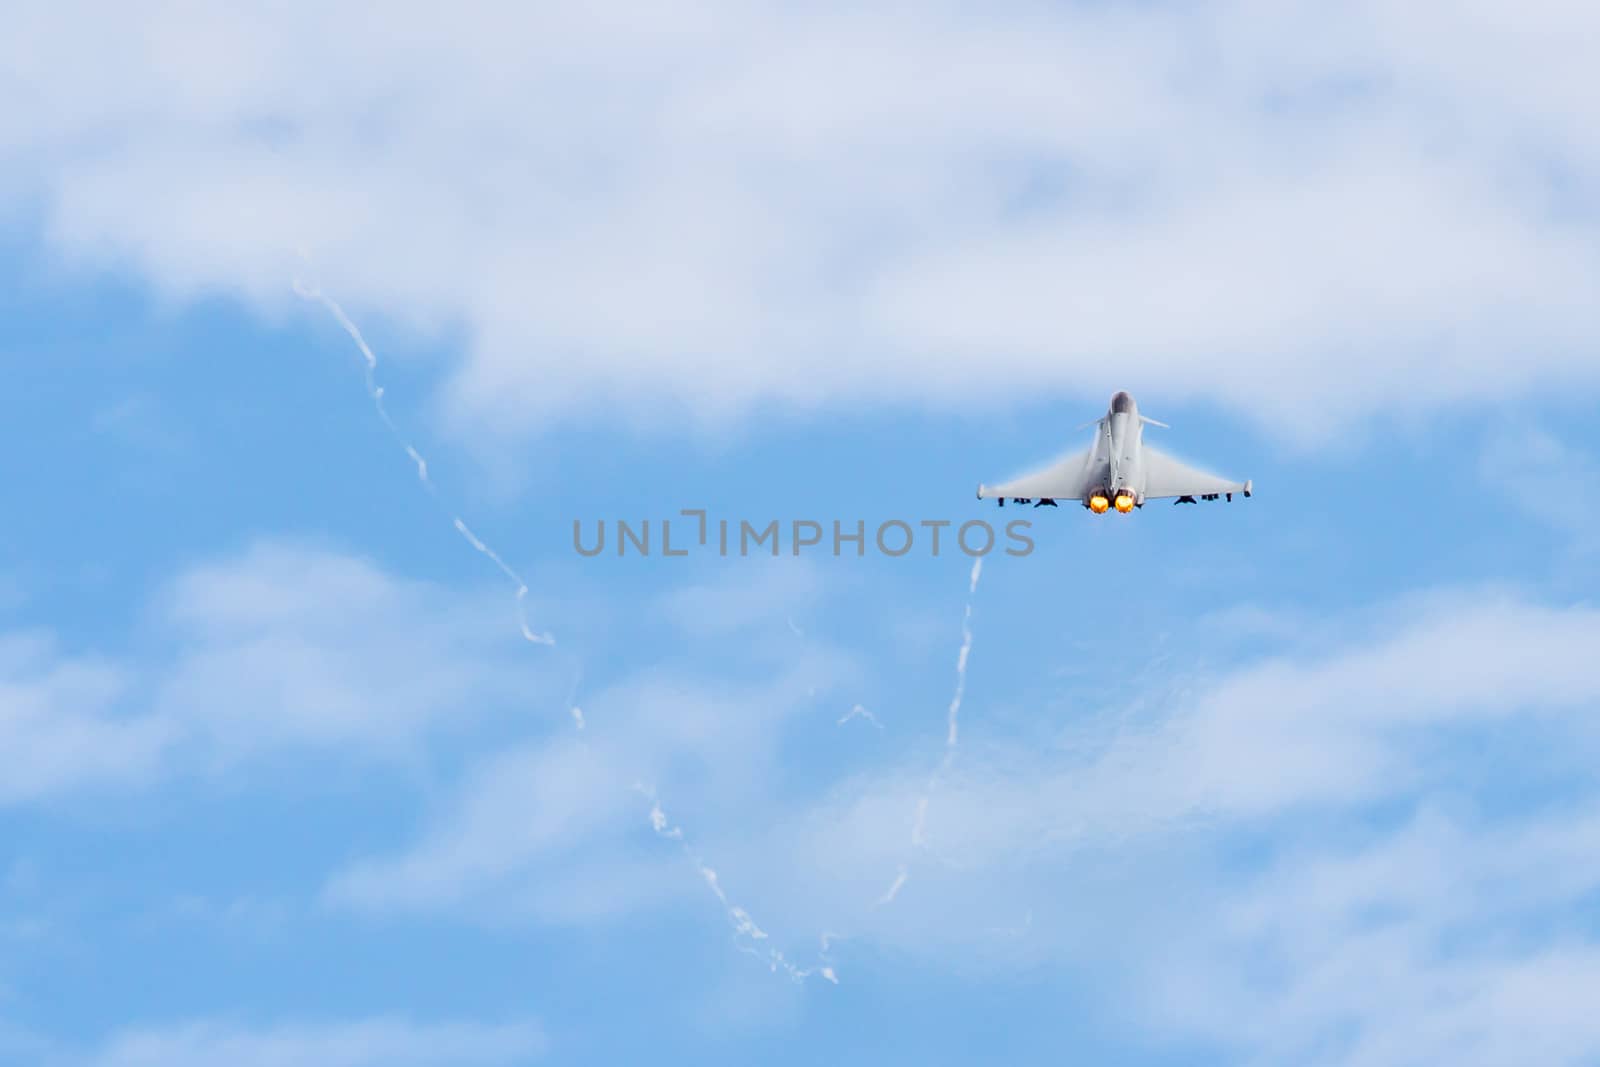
1118,470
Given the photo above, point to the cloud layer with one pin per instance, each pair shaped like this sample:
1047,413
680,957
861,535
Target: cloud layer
1382,846
1377,854
1377,208
285,647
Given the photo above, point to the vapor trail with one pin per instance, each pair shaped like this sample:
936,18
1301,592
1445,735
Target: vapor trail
859,712
744,926
375,391
952,716
952,731
894,889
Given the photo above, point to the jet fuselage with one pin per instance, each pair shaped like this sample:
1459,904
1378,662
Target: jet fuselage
1123,434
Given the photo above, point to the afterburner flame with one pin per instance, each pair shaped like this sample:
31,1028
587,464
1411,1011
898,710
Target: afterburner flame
1098,504
1124,503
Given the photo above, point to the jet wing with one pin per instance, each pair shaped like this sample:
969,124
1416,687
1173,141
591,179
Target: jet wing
1166,477
1066,479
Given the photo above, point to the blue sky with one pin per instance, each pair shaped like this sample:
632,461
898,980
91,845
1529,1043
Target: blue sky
1304,778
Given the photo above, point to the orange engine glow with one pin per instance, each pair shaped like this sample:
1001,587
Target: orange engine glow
1124,503
1098,504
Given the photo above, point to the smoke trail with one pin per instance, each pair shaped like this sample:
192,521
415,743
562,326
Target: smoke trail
953,714
744,926
894,890
859,712
952,731
746,932
375,391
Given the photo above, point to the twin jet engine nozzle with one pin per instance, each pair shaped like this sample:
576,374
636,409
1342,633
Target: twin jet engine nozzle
1101,501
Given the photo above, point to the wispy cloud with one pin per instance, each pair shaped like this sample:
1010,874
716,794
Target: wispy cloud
1299,860
284,647
1323,813
304,646
548,831
66,722
372,1043
569,803
535,832
1338,771
1231,201
1268,741
1552,481
1429,942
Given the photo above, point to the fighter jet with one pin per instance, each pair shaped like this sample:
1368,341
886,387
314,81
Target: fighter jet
1118,470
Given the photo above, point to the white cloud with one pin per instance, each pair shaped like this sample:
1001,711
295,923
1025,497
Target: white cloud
1295,211
551,829
523,816
1299,740
1278,739
1301,861
1252,749
296,645
1286,860
64,722
1549,479
1444,940
282,647
372,1043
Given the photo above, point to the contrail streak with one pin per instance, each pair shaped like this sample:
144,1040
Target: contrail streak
745,928
952,731
748,933
375,391
894,889
952,716
859,712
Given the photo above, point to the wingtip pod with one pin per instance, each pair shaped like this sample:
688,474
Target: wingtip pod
980,490
1249,487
